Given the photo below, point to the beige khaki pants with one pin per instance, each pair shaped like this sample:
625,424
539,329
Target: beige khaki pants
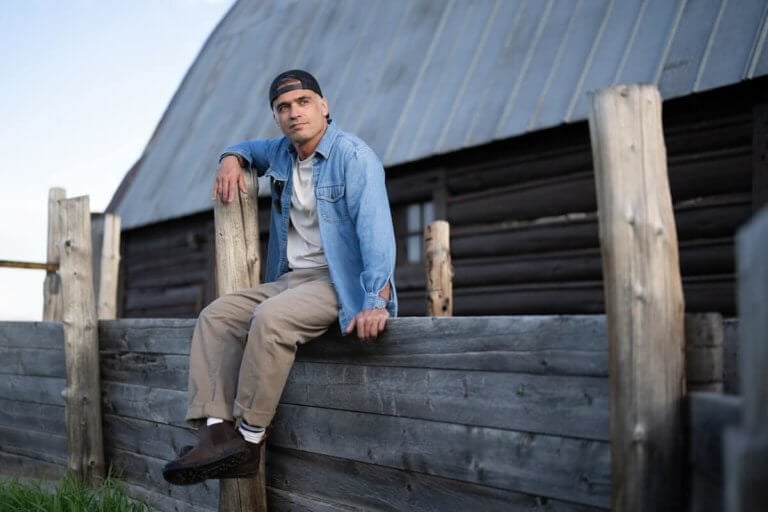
244,345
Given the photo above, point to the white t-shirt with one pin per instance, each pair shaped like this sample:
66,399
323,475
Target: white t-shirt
305,249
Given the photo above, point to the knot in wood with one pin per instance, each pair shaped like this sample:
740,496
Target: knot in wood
639,434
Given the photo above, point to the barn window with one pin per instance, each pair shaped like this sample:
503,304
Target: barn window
411,219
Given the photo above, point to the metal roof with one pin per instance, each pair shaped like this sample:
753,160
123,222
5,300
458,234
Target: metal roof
415,78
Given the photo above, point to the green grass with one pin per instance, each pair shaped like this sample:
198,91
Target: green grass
68,496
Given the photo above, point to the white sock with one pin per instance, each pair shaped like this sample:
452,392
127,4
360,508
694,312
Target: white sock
213,421
252,434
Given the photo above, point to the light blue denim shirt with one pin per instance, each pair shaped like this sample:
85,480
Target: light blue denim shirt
352,210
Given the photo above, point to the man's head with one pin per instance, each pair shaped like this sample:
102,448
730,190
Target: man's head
298,106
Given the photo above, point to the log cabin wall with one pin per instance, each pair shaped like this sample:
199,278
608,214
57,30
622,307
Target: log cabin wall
523,222
523,212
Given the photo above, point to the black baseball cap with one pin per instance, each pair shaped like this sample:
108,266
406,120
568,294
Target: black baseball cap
296,79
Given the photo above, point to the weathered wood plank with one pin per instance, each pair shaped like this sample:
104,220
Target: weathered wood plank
366,487
42,390
143,437
142,402
562,468
147,472
746,448
532,344
709,415
162,336
159,501
704,351
168,371
42,335
44,446
32,362
32,416
567,406
731,356
106,264
292,502
19,466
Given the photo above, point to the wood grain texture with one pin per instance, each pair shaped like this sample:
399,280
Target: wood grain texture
44,446
43,335
563,468
709,415
19,466
643,298
439,270
559,405
106,264
32,416
530,344
52,302
82,396
238,267
367,487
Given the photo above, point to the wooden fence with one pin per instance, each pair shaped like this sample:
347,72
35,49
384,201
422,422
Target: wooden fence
495,413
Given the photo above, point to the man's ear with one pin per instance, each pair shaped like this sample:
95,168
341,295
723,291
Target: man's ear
325,106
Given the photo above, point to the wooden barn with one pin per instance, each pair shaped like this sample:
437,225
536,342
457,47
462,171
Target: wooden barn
477,110
531,398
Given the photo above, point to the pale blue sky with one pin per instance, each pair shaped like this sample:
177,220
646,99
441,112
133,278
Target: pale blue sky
83,83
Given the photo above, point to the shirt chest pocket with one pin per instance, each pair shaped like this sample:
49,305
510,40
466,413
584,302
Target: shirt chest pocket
331,204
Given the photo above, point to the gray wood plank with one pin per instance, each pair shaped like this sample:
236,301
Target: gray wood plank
709,414
32,416
143,402
47,335
572,406
163,336
532,344
369,487
147,472
43,390
32,362
169,371
19,466
160,501
280,501
563,468
147,438
44,446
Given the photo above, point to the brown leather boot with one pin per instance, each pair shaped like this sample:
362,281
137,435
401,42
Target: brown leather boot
246,468
220,447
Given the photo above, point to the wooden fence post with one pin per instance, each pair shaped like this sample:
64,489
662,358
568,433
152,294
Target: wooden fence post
746,448
52,284
237,267
643,298
437,249
82,396
105,229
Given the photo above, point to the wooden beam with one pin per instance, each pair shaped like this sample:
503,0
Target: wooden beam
643,298
52,285
82,396
107,266
237,267
746,449
31,265
759,157
439,270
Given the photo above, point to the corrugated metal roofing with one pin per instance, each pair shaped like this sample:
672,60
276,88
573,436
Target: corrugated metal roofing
416,78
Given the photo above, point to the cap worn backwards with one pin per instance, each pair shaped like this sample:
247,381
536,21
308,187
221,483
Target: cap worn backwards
291,81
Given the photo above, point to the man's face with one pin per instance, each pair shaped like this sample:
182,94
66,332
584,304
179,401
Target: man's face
300,114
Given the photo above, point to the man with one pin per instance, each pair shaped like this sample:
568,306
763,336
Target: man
331,257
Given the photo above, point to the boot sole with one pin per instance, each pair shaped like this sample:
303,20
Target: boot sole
195,473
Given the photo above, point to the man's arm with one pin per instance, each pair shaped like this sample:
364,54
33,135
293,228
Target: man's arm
234,160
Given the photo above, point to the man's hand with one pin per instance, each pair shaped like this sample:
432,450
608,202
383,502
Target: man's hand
229,178
369,323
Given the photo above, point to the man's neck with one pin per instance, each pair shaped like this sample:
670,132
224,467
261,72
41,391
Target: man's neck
307,148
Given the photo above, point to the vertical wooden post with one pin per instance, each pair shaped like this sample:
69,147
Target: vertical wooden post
82,396
105,229
759,157
643,298
52,284
437,249
746,449
237,267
